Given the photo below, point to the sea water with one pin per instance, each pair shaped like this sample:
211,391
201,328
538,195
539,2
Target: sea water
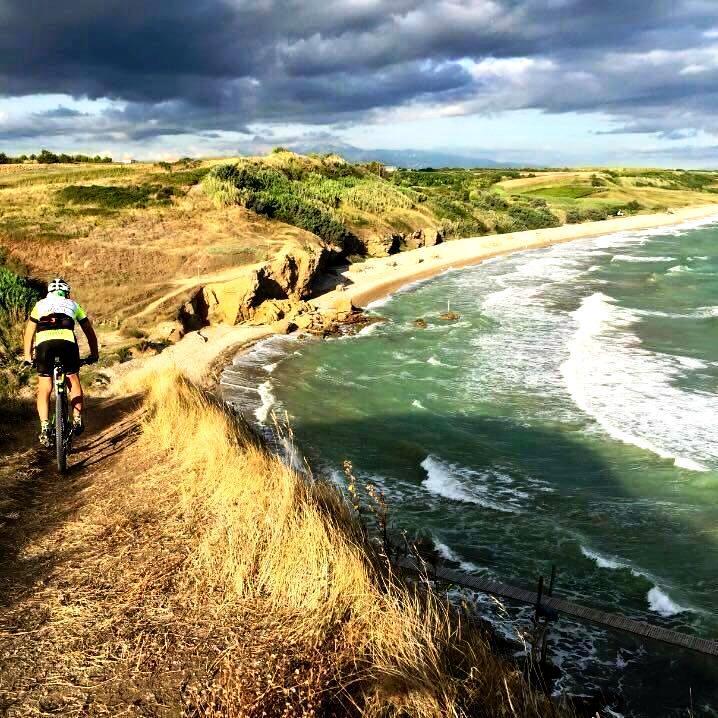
569,417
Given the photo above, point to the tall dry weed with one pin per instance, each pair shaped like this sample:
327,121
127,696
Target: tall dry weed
265,535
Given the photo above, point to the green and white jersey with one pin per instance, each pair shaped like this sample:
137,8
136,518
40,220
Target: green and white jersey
55,317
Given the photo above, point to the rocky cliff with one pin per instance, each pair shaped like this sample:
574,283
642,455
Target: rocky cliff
276,290
285,281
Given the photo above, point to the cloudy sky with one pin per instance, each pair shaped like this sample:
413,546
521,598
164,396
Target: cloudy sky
549,81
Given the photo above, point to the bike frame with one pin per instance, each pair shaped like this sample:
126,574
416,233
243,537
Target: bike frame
63,423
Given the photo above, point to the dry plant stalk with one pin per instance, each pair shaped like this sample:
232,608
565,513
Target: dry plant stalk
262,531
197,575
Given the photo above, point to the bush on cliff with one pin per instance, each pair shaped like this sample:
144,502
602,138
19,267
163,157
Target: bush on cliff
266,583
526,217
307,204
18,294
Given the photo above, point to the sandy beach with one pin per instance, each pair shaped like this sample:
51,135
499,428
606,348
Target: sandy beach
198,354
376,278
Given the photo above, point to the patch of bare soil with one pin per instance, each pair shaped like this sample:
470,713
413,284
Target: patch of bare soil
91,619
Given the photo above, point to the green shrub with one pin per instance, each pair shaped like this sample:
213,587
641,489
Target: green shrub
222,192
108,197
50,158
17,297
457,229
527,217
131,332
293,210
573,216
307,204
489,200
376,197
124,354
328,191
577,215
185,178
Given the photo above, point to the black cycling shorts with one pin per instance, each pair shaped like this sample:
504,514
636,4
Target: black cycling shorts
67,352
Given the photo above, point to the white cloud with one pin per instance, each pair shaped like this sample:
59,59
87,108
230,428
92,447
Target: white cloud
694,69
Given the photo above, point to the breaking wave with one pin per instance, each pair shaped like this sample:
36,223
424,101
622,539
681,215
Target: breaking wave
630,391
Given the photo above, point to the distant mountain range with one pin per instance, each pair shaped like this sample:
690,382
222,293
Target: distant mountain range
412,159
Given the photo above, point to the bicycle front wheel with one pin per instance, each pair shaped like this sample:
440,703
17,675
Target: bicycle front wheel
61,429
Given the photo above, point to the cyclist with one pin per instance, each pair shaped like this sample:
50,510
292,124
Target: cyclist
51,327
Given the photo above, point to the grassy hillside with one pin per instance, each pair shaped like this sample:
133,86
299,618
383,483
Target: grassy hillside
343,203
136,240
187,571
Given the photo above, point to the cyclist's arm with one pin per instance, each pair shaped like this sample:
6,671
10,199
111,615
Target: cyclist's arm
89,331
30,329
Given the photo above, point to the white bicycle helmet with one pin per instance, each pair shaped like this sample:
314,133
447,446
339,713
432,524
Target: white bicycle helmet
58,285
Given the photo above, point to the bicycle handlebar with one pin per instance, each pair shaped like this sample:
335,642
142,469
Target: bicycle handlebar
85,361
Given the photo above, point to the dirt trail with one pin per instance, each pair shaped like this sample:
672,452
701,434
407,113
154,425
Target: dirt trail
183,285
39,512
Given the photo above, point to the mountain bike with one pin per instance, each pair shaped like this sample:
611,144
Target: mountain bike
63,414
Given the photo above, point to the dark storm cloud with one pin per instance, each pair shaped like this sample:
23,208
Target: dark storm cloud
60,112
198,66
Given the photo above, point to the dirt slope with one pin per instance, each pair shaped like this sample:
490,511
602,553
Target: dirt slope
49,610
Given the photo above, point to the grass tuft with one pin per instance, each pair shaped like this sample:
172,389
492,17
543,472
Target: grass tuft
325,627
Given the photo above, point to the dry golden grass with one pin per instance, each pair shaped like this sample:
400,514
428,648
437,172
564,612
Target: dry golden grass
185,571
121,260
261,535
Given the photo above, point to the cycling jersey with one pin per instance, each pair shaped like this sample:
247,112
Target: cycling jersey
55,317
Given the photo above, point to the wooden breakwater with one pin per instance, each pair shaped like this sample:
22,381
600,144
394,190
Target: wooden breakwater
551,603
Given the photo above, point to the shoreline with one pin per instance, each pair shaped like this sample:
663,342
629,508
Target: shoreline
379,277
201,355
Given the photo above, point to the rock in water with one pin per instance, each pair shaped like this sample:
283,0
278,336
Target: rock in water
449,316
420,323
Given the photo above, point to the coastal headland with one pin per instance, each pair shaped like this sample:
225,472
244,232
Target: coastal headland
180,567
363,283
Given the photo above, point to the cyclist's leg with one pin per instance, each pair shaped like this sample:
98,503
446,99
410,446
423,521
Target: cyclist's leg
44,357
76,396
44,389
71,361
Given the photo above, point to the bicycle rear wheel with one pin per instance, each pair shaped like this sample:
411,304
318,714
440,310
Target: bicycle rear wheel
61,429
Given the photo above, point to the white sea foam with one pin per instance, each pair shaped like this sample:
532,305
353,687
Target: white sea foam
449,554
638,258
631,392
661,603
368,329
658,600
435,362
268,401
690,362
417,404
459,483
683,462
602,561
378,303
698,313
679,268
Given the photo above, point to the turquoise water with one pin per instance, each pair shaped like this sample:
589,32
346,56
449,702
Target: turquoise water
568,417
